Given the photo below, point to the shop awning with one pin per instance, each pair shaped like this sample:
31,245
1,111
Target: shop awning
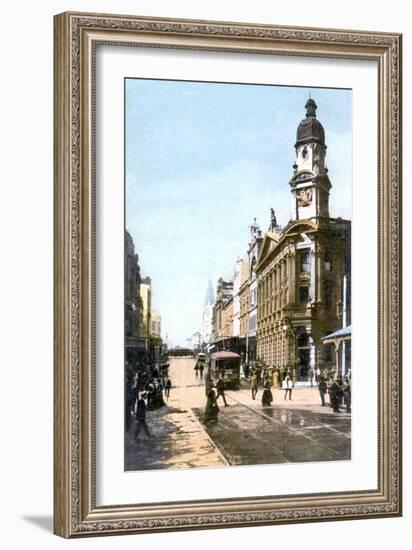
338,336
225,355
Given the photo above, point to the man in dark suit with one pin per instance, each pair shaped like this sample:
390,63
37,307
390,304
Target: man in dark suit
220,387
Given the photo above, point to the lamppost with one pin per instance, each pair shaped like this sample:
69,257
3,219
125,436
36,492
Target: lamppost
288,325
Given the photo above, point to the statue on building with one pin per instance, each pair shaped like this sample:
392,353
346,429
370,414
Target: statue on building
273,227
273,221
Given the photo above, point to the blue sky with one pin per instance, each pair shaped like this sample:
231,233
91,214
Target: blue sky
204,159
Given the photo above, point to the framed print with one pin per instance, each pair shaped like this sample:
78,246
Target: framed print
227,274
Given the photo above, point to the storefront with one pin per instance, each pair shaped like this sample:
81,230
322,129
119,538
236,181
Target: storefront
341,341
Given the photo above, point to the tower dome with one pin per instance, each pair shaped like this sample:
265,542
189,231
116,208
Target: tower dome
310,130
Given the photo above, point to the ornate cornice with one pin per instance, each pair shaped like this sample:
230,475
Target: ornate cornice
234,30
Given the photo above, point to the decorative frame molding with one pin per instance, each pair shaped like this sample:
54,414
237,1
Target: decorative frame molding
76,36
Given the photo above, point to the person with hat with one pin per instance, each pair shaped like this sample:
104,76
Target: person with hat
323,389
335,394
220,386
267,396
254,384
141,418
347,394
212,408
287,385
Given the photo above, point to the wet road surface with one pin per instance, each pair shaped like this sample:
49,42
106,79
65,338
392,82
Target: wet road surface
246,433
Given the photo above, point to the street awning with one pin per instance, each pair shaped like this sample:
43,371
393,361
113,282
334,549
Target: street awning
344,333
225,355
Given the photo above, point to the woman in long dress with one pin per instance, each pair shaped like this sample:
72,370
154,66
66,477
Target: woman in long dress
267,396
212,408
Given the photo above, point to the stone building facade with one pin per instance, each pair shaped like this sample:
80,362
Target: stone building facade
249,292
222,313
301,269
244,306
134,344
145,325
155,334
237,282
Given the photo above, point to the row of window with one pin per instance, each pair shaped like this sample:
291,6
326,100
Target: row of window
276,346
269,305
275,352
304,258
305,267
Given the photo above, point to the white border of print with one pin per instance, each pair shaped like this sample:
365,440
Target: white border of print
113,485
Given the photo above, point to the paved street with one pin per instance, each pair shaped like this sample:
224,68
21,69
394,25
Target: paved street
246,433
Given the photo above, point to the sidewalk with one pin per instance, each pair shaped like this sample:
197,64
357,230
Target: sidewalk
178,440
303,397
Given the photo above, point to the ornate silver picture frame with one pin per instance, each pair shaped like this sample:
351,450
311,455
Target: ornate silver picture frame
77,510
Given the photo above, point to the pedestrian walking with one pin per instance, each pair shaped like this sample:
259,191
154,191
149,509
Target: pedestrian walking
311,376
317,375
130,394
158,400
212,408
151,396
258,374
265,374
168,387
267,396
220,386
254,384
277,378
323,389
335,394
201,368
347,394
141,418
288,385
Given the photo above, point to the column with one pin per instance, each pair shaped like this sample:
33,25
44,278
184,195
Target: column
312,356
312,291
318,274
337,356
292,282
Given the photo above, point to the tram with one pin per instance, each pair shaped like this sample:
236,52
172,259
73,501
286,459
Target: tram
227,364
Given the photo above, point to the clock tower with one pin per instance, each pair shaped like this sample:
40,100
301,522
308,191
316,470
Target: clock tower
310,183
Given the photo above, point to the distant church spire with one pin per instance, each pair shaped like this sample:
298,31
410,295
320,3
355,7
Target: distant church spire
209,296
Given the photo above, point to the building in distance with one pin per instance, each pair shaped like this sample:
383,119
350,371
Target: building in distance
134,343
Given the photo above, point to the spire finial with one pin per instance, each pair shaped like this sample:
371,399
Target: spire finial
311,107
